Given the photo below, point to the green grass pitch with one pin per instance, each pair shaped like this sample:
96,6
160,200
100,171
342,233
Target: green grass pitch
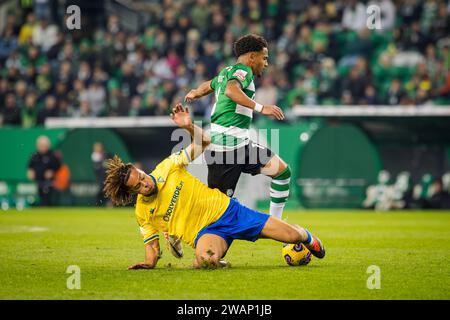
412,250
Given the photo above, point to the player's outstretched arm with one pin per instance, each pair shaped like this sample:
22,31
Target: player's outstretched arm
202,90
201,140
235,93
152,254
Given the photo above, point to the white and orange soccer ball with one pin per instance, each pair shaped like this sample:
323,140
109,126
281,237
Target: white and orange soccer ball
296,254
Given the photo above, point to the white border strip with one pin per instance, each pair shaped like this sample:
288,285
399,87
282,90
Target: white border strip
372,111
110,122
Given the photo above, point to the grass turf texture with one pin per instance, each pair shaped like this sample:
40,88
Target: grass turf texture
412,250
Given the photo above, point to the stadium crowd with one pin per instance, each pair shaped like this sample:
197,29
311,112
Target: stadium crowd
321,53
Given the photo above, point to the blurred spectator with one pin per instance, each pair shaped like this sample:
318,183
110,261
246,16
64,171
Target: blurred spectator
149,106
128,80
96,96
370,97
421,97
135,108
61,183
441,24
267,93
8,43
27,29
377,195
413,38
65,73
162,108
355,83
113,25
444,90
11,113
347,98
20,91
64,108
209,59
446,182
410,11
423,191
217,28
395,93
29,111
50,110
99,157
42,9
61,90
45,35
402,191
327,79
440,198
200,13
44,80
4,90
84,110
354,17
117,104
41,168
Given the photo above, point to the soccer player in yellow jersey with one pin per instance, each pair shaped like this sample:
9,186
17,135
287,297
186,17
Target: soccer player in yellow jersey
171,200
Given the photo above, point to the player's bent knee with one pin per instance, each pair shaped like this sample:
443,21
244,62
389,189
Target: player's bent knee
206,261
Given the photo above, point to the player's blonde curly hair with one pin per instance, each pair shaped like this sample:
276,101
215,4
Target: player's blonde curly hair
117,174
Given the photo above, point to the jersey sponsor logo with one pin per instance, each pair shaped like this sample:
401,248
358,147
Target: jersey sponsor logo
173,202
161,180
240,74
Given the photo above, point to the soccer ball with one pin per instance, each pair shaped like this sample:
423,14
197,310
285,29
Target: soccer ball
296,254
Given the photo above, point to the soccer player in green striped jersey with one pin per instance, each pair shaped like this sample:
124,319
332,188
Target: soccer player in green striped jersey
231,151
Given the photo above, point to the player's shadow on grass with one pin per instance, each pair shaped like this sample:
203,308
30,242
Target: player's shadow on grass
264,268
272,267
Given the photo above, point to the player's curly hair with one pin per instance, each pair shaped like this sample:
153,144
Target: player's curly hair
249,43
117,174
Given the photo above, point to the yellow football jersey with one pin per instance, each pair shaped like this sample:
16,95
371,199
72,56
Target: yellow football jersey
182,204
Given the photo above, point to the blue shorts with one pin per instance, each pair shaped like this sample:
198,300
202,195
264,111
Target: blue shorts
237,222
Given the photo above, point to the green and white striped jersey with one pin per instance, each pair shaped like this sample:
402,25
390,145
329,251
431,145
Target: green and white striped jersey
230,122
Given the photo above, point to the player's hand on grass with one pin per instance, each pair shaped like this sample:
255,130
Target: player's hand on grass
191,96
140,266
181,116
273,111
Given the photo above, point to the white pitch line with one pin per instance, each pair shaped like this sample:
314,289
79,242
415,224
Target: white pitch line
20,229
